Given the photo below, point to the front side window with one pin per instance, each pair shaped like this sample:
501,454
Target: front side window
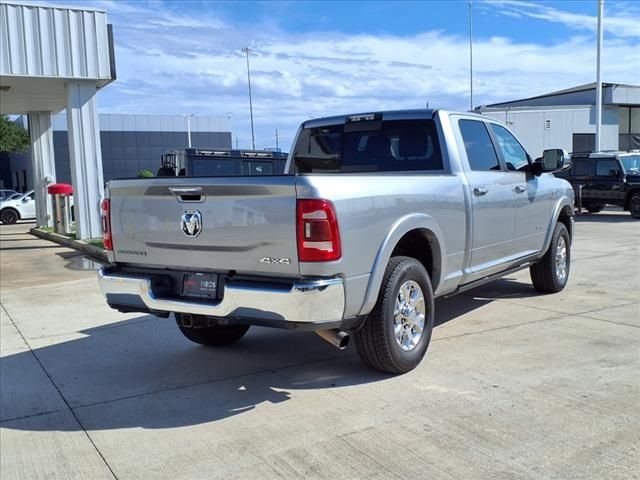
477,143
606,168
514,155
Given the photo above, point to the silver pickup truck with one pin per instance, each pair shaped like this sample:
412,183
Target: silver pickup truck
376,216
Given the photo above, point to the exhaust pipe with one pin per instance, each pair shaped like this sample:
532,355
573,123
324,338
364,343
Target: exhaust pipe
335,337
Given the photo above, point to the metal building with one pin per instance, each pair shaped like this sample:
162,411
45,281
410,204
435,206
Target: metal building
52,59
129,143
566,119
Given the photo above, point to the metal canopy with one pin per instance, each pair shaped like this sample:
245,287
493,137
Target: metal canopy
54,58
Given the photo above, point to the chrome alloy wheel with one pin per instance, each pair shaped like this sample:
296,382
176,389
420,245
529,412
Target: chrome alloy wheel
561,259
409,315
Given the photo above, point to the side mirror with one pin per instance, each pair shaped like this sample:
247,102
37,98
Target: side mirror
613,173
25,199
553,160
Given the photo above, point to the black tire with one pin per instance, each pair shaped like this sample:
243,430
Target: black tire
596,208
634,205
546,275
376,341
213,336
9,216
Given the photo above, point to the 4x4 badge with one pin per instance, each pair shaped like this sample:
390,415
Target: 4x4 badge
191,223
281,261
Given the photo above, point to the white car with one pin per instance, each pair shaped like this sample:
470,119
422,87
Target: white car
20,208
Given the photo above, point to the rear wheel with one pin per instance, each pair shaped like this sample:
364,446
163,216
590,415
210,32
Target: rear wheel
594,208
396,334
9,216
634,205
551,273
212,336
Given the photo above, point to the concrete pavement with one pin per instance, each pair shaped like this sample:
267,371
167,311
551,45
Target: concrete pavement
515,384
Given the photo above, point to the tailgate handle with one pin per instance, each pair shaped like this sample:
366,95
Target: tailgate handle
187,194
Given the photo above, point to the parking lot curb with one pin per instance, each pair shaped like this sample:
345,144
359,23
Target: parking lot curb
91,250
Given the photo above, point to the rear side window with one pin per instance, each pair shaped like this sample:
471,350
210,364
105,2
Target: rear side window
584,167
260,168
478,145
389,146
208,167
514,155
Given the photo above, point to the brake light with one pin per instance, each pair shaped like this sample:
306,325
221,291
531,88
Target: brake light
105,210
318,232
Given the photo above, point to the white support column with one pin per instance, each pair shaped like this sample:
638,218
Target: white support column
86,158
44,167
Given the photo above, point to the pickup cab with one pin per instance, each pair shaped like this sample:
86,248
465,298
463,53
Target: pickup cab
376,216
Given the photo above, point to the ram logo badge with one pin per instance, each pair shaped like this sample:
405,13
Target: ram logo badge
191,223
280,261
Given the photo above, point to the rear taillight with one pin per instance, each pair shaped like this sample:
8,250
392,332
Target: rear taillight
318,233
105,209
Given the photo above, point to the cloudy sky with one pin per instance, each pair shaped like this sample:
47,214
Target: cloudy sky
312,59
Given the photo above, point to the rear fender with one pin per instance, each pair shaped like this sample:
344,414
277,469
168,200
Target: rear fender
417,221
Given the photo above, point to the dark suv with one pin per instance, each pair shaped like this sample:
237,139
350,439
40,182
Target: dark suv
606,178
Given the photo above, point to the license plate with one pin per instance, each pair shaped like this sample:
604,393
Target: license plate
200,285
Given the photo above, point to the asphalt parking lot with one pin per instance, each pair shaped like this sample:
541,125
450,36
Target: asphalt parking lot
515,385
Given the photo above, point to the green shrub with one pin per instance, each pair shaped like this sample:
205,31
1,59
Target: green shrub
145,174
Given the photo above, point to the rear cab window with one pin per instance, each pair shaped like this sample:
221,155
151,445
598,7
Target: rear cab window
369,147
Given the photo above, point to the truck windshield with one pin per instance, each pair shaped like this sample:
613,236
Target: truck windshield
389,146
631,163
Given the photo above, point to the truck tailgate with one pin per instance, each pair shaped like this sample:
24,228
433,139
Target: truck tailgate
247,224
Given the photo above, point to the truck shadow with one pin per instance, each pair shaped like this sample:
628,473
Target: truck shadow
141,373
608,217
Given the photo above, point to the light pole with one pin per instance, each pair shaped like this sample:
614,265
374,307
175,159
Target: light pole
247,50
471,54
189,129
598,79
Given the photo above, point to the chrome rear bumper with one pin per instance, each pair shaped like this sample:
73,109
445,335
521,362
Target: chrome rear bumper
312,301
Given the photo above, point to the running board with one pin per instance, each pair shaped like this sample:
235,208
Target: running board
490,278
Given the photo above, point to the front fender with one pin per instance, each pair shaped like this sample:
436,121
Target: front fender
561,204
416,221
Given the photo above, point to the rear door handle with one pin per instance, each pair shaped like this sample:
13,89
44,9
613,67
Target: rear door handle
520,188
479,191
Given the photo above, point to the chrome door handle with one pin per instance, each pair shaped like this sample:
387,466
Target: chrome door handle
479,191
520,188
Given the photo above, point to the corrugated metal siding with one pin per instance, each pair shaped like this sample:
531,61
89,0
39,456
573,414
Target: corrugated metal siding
529,126
53,42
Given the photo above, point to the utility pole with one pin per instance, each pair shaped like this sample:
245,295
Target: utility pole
598,79
247,50
471,55
277,145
